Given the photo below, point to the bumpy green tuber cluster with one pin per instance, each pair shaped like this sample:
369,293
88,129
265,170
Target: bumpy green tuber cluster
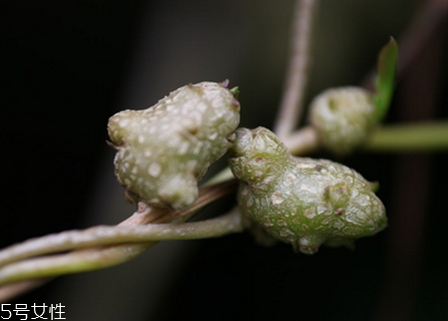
343,118
164,150
302,201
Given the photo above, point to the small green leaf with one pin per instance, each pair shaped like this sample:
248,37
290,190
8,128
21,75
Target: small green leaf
374,186
385,77
235,92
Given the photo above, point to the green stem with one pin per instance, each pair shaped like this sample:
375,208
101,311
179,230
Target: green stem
92,259
410,138
101,257
79,261
222,176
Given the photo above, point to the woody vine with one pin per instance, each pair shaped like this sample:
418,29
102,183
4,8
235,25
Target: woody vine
164,151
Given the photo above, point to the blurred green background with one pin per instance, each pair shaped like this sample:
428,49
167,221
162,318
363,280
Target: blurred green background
69,65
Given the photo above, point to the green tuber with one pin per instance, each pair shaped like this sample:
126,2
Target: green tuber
343,118
302,201
164,150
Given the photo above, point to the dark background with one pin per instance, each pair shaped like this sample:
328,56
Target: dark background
67,66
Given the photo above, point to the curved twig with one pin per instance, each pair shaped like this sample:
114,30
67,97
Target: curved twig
92,259
97,258
110,235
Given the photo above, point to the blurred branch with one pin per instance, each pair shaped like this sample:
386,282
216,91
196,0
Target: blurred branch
293,94
407,246
410,137
414,40
302,141
422,28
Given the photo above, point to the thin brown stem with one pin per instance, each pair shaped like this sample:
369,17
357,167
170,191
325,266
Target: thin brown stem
109,235
293,95
104,235
302,141
102,257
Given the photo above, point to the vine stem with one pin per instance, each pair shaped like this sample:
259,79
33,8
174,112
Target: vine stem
302,141
109,235
293,94
410,137
92,259
97,258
